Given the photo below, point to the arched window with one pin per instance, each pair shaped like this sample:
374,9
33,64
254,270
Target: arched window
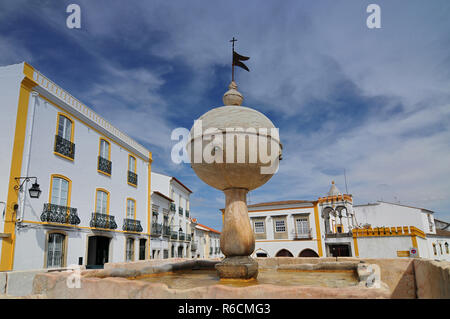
102,201
434,249
131,208
284,253
55,250
308,253
65,127
104,165
64,146
60,190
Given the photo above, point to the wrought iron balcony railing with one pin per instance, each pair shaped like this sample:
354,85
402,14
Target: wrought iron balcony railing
132,225
99,220
132,178
302,234
64,147
181,236
217,250
188,237
187,213
166,230
193,246
180,210
156,229
59,214
172,207
210,251
104,165
173,234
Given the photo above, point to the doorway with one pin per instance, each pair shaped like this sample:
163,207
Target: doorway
340,250
98,252
142,248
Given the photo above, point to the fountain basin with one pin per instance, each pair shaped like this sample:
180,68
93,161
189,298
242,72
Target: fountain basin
155,279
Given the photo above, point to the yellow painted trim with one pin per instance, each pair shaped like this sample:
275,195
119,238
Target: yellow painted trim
414,242
107,200
149,202
355,245
8,244
269,210
91,127
126,204
69,195
318,234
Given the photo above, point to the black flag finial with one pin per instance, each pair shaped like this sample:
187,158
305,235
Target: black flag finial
237,58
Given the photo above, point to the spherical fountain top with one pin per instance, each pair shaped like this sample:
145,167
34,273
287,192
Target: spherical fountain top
256,129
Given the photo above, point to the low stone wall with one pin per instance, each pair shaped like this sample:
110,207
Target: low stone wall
432,278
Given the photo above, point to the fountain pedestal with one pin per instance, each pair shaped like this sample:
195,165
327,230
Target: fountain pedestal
237,241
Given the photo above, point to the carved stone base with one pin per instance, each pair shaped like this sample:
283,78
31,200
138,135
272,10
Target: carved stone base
237,267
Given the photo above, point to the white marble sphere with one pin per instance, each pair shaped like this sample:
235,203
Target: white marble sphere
246,174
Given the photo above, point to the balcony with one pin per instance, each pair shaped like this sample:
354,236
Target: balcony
180,210
166,231
132,178
60,214
104,165
211,251
132,225
302,235
188,237
102,221
187,213
156,229
172,207
194,246
64,147
181,236
173,235
217,250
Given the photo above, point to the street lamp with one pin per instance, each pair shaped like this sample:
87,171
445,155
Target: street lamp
34,191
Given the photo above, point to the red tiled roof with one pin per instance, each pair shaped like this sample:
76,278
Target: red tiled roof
209,228
163,196
176,179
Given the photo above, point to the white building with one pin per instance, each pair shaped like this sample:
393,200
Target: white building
332,226
206,241
170,212
95,201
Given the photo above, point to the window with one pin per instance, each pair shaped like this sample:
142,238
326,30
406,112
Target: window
129,250
302,225
132,176
446,248
64,127
59,191
64,138
131,208
280,226
440,247
55,250
259,227
104,149
102,202
434,249
132,163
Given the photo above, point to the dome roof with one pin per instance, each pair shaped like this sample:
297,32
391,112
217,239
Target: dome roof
334,191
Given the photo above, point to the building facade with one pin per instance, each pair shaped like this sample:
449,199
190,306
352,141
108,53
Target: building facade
332,226
206,242
95,199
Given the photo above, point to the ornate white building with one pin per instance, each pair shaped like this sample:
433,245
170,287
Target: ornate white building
333,226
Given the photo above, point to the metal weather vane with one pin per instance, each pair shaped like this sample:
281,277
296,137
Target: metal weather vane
237,58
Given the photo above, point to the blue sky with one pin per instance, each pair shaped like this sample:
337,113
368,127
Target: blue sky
375,102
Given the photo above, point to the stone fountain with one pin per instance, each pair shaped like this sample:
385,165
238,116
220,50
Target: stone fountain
235,149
